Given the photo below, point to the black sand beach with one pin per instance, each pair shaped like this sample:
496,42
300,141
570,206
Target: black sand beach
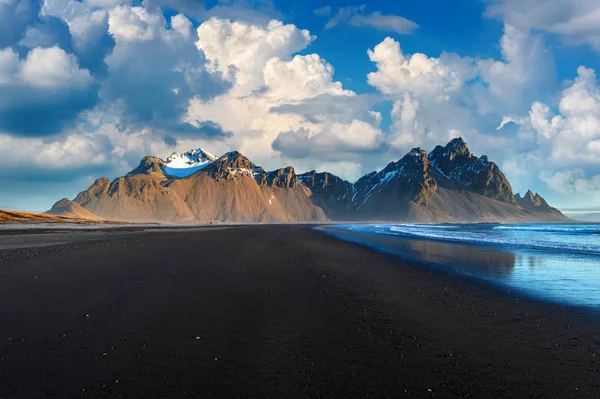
272,311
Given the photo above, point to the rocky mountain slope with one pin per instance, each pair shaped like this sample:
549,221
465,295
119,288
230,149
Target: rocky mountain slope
447,185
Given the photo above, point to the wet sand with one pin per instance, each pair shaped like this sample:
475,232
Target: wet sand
272,311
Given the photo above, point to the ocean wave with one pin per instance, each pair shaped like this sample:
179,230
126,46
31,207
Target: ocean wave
507,236
572,229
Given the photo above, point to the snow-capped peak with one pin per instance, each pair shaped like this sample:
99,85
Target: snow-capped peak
190,159
188,163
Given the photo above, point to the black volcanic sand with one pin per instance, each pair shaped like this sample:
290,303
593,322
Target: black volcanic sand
273,311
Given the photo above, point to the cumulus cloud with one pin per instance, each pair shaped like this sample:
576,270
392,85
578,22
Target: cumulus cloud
134,24
573,135
573,183
489,103
427,92
543,122
331,142
356,16
438,98
153,71
559,143
88,28
527,68
575,21
52,68
42,93
277,96
397,73
240,50
305,76
330,107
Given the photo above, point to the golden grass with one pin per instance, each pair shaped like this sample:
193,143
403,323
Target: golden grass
24,217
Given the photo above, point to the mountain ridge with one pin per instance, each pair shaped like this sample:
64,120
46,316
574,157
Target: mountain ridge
449,184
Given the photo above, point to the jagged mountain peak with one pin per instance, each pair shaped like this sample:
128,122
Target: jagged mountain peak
283,178
148,165
456,151
319,182
319,178
417,152
233,165
532,201
235,160
232,154
416,156
456,162
528,195
457,144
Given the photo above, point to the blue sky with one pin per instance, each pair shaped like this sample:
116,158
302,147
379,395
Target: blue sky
87,88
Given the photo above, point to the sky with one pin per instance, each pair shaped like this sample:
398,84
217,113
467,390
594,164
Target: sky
90,87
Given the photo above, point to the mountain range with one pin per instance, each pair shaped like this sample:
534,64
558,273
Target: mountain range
449,184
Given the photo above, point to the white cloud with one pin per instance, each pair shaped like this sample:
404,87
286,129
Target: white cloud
438,98
62,154
333,141
560,144
49,68
573,182
240,50
53,68
527,67
398,74
575,21
542,121
357,17
430,95
43,92
134,24
573,135
302,77
274,91
154,71
88,28
183,26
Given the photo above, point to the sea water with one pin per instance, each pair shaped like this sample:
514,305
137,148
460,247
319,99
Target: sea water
557,262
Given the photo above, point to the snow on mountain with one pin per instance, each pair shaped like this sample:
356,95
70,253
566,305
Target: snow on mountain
188,163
